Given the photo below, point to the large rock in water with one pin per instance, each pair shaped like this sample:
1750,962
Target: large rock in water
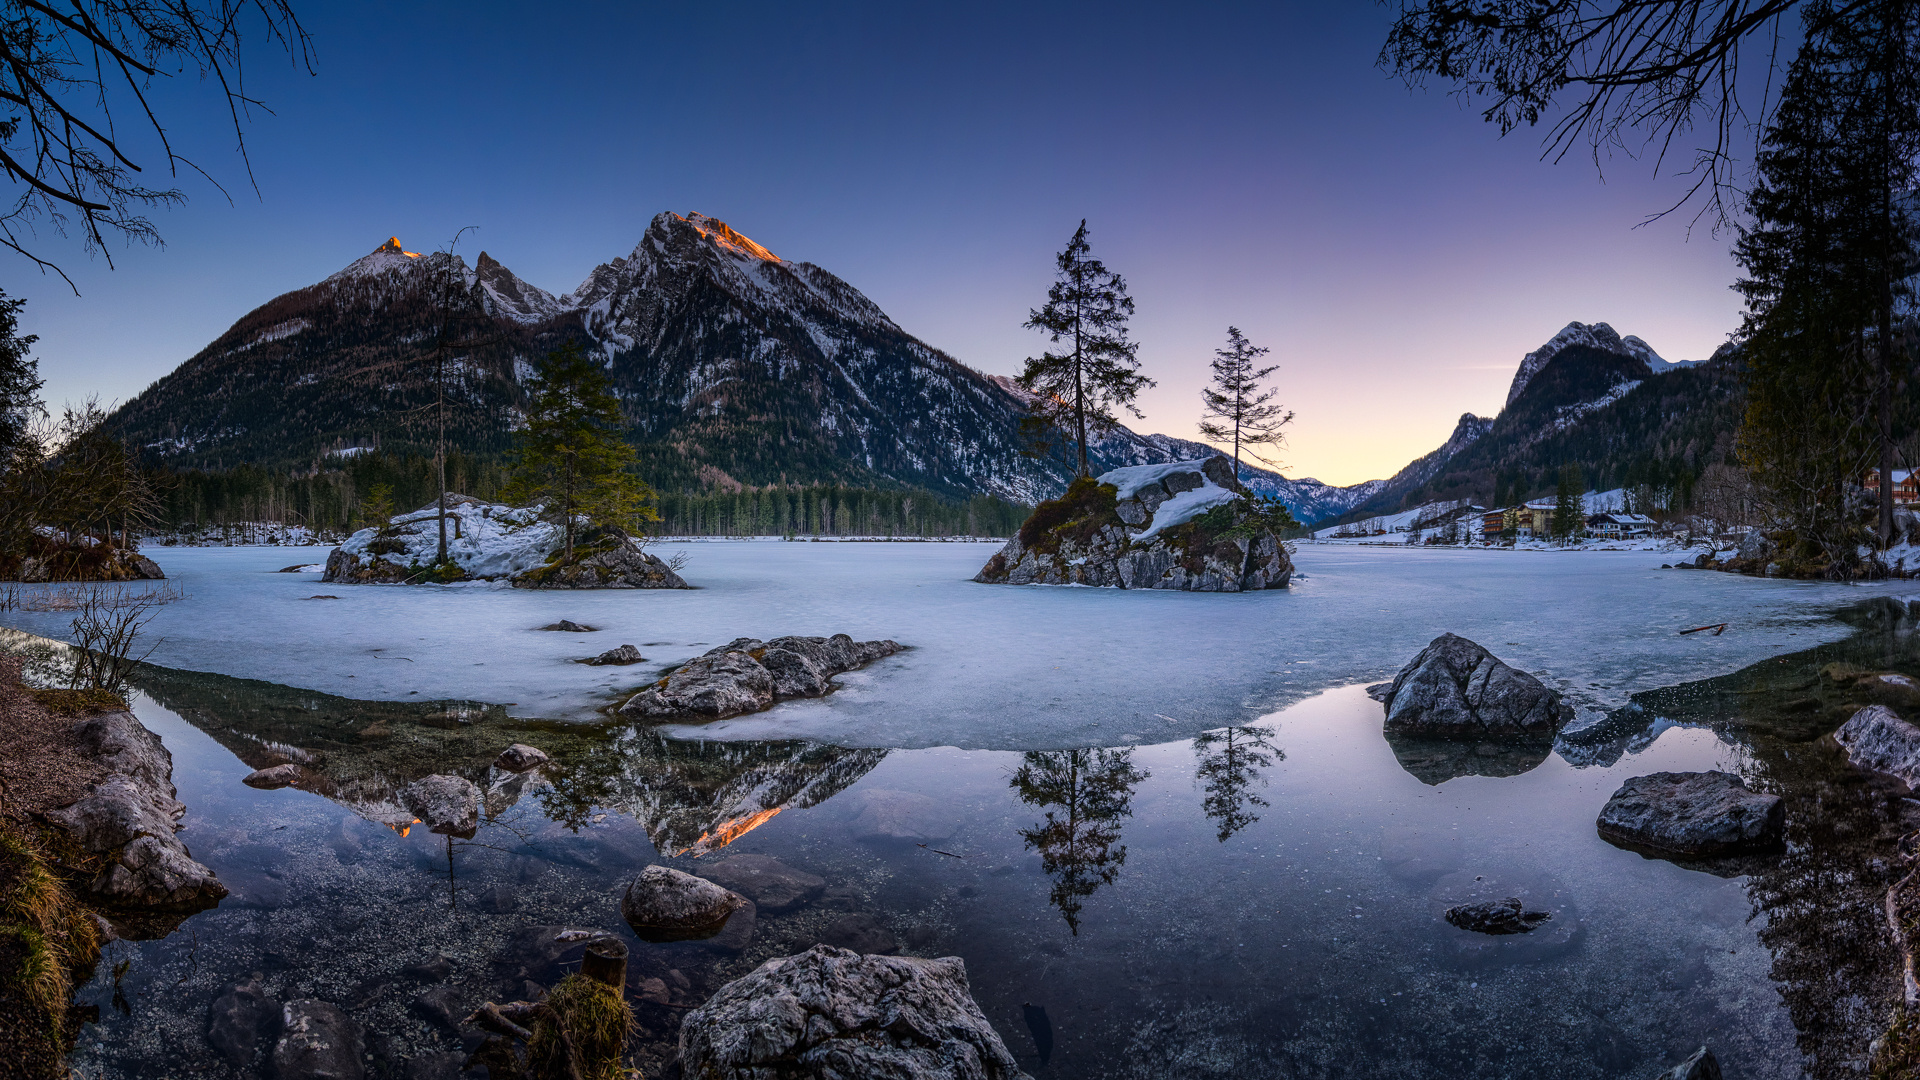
1876,738
747,675
1457,690
488,541
129,820
831,1014
446,804
664,904
318,1042
603,558
1692,815
1180,526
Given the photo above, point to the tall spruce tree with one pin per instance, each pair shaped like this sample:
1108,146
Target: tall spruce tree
572,452
1827,255
1077,389
1237,410
1568,515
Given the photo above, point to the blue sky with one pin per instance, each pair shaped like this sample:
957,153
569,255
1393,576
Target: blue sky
1239,164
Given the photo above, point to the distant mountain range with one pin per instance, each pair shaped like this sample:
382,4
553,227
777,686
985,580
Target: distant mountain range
734,365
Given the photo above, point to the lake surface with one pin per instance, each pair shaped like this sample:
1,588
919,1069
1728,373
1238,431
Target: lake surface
1171,821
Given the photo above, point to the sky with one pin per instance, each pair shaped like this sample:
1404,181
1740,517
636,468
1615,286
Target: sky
1239,164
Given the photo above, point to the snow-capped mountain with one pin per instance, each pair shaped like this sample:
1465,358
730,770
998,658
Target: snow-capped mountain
1596,336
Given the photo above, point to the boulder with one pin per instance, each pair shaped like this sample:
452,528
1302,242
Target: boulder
129,819
625,654
831,1013
238,1019
278,776
1700,1065
1691,815
771,884
445,804
1877,739
1147,527
1454,689
1497,917
318,1042
664,904
520,757
568,626
748,675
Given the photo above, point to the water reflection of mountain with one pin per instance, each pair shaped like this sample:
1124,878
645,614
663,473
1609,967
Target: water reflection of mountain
690,796
696,797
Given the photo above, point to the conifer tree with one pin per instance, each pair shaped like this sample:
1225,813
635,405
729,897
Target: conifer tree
571,452
1567,510
1240,411
1078,388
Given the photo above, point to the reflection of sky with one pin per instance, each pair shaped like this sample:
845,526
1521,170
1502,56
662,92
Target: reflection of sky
1028,668
1245,165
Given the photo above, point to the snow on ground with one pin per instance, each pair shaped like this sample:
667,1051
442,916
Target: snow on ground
989,666
488,540
1186,506
241,534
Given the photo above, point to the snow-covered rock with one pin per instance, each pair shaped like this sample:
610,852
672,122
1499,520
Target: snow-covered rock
1134,528
487,541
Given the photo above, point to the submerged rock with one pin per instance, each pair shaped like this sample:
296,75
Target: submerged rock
1691,815
1507,916
862,932
833,1013
445,804
129,821
664,904
625,654
1187,525
277,776
1454,689
238,1019
1877,739
768,882
568,626
318,1042
520,757
1700,1065
748,675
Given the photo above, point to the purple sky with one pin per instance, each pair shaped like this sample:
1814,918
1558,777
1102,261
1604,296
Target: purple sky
1239,164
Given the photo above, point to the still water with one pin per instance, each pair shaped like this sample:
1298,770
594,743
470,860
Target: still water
1255,891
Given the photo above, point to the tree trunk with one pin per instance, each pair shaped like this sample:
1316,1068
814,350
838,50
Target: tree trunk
1080,395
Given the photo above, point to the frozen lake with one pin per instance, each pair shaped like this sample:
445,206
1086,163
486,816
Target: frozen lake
991,667
1257,893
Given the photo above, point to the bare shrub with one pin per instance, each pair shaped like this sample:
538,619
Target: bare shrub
108,623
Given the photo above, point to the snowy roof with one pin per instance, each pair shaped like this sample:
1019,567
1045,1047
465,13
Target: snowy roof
1625,519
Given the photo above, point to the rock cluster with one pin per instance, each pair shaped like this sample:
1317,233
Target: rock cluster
486,541
625,654
1691,815
1147,527
747,675
120,565
1457,690
834,1013
129,820
621,566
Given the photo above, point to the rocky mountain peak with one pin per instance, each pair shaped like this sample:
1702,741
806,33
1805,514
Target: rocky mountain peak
721,236
511,297
1596,335
383,259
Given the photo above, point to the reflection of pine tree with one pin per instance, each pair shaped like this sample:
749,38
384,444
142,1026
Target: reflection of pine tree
1079,841
1230,763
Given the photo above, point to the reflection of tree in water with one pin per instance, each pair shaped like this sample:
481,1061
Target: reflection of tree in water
1231,760
1087,793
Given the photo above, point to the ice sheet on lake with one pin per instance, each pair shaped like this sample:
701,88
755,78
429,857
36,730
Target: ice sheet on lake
991,666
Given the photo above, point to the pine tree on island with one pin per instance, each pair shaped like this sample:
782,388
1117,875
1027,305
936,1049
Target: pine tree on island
1078,388
571,452
1237,410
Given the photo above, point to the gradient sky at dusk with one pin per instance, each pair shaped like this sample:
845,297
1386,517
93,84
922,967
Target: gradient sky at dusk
1239,164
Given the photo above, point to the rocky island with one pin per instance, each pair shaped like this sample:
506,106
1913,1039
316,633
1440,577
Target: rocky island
1185,525
490,541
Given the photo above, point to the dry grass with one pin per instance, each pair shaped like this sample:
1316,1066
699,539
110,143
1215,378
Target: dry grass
597,1021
